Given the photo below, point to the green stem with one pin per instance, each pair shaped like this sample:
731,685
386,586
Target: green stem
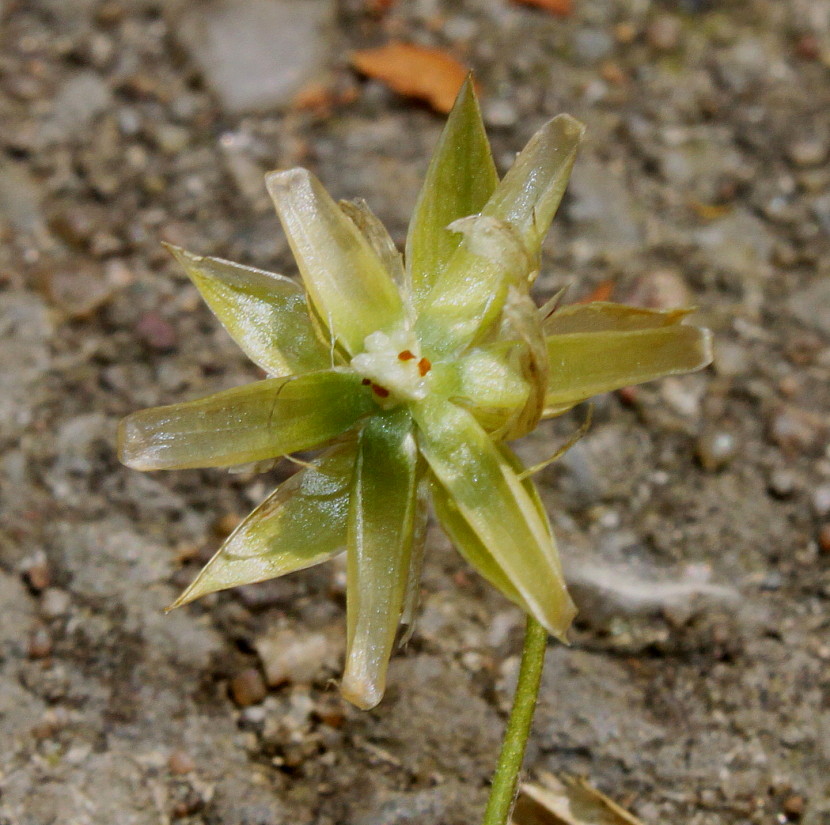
506,777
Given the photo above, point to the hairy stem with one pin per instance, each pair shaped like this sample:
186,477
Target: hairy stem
506,777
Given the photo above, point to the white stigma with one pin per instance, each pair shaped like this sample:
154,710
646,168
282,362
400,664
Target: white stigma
394,366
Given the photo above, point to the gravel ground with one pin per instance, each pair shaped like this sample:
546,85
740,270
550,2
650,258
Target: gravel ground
694,518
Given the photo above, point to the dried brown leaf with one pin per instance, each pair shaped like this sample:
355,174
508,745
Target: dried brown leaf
415,71
561,8
567,801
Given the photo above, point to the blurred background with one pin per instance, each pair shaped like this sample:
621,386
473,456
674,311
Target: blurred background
694,518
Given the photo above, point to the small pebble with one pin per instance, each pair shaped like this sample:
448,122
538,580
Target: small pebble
501,114
156,331
591,45
821,500
793,807
37,575
716,449
807,152
661,289
789,386
291,656
625,33
808,47
190,804
171,139
664,33
613,73
731,358
253,717
681,396
40,644
54,603
180,763
793,430
248,687
78,290
782,483
226,524
772,581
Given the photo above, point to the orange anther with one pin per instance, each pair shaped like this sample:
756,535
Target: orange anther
424,366
379,391
406,355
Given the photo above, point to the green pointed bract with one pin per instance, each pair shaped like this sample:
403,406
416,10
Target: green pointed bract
412,597
380,532
470,292
261,420
460,180
521,319
302,523
533,188
266,314
583,364
486,492
471,547
490,385
353,293
358,212
601,316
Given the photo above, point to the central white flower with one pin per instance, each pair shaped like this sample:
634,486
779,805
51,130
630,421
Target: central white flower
394,367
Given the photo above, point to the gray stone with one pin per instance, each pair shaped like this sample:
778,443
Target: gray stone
608,218
239,802
811,305
588,701
697,166
731,358
18,613
739,242
500,113
256,54
783,483
716,449
25,329
77,435
591,45
20,201
293,656
79,101
664,33
683,395
427,807
54,603
807,151
86,792
821,500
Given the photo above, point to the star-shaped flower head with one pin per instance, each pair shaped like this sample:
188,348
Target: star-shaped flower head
410,374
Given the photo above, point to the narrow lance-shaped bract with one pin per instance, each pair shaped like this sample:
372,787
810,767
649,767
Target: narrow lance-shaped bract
411,375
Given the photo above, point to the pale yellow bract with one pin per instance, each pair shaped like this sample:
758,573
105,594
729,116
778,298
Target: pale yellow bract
410,374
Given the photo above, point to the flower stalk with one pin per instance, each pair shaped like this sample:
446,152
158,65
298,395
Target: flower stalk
506,777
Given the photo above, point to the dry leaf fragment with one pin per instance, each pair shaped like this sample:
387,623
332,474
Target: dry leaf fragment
567,801
603,291
561,8
415,71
